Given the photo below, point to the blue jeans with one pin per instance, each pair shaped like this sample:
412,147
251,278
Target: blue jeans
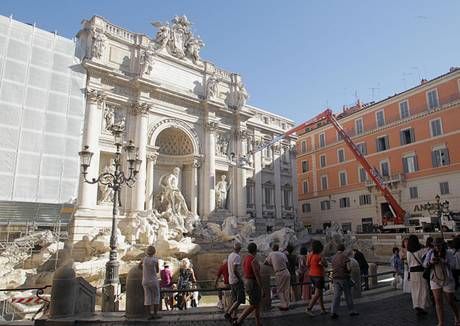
342,286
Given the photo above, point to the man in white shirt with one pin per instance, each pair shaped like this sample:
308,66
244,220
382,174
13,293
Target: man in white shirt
278,261
235,280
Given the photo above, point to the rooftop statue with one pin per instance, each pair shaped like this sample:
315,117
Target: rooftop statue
178,39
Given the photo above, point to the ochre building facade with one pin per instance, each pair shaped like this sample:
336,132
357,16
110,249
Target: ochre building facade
411,139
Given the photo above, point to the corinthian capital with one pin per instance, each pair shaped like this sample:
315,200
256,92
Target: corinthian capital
140,108
152,157
196,162
94,95
212,126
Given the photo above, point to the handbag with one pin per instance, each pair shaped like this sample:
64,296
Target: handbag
425,270
427,273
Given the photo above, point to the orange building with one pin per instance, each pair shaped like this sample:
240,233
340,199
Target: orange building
411,138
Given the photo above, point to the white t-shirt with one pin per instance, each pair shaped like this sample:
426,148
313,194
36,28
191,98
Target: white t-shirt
232,260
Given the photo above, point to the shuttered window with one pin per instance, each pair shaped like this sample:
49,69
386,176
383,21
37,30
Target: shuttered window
407,136
440,157
410,164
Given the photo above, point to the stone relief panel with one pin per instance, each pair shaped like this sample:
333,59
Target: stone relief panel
223,144
113,115
178,40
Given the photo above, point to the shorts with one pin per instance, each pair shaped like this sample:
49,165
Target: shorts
238,292
151,294
253,291
318,282
449,287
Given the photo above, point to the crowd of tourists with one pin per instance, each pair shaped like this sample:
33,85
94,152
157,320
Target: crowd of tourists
187,296
306,272
430,273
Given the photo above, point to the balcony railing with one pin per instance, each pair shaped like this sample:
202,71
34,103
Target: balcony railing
388,180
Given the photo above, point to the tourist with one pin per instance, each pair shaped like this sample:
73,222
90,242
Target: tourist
235,280
355,275
253,285
316,264
223,295
403,255
185,282
456,254
303,274
419,287
342,282
398,268
150,283
279,262
441,262
363,267
166,283
292,266
429,243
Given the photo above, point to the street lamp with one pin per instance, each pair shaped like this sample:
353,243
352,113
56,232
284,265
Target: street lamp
113,179
439,208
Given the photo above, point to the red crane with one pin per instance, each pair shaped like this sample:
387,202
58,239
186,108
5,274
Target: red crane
398,212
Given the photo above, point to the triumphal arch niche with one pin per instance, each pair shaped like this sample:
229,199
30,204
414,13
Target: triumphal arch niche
180,111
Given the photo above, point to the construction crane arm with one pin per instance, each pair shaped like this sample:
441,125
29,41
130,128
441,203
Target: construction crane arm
327,115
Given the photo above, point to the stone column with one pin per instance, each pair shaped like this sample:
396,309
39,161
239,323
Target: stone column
194,193
258,191
140,139
210,173
151,161
277,169
295,196
87,193
240,193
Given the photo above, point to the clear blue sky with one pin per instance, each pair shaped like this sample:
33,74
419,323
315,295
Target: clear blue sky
296,57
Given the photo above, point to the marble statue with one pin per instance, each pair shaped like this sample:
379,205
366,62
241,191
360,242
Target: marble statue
163,35
211,86
171,194
221,192
178,39
109,117
282,237
237,98
335,236
192,49
147,60
98,46
242,95
222,143
246,230
105,192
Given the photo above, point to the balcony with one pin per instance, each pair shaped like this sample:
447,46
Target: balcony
390,181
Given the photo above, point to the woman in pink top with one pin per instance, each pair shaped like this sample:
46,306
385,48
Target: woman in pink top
166,284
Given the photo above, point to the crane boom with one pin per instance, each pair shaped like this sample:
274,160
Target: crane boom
327,115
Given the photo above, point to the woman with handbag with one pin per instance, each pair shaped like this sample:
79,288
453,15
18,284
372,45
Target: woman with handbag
441,262
419,287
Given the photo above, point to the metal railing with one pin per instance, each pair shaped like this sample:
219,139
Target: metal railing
17,307
14,307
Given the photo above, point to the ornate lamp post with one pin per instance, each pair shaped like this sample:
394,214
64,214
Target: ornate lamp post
439,208
114,180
